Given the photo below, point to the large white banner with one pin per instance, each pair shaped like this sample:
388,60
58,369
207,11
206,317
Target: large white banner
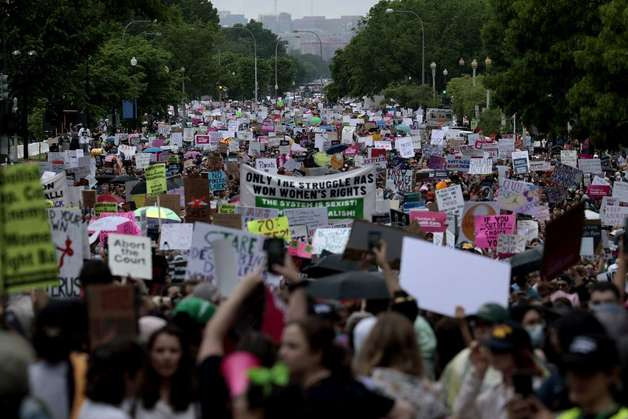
345,195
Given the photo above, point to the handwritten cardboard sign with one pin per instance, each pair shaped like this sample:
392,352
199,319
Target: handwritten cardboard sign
489,228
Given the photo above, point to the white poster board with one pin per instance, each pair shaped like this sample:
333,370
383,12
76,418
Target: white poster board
443,284
176,236
130,256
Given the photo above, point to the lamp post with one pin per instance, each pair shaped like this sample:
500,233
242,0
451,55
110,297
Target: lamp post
445,74
487,63
320,45
433,67
474,66
390,11
254,52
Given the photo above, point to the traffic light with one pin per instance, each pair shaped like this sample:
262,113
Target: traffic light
4,87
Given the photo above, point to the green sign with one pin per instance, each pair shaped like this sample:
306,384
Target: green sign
28,256
341,209
100,207
156,179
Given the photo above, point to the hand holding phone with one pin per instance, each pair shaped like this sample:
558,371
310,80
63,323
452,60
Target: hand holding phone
275,253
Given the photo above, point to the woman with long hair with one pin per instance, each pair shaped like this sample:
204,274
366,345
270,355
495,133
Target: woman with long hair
320,367
391,359
168,386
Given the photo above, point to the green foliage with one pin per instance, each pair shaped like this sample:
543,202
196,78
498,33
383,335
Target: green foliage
464,95
387,47
410,96
36,120
490,121
309,67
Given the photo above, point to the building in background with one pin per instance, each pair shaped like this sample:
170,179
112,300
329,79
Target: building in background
228,20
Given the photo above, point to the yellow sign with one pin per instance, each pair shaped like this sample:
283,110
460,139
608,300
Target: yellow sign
28,256
156,179
226,209
271,227
100,207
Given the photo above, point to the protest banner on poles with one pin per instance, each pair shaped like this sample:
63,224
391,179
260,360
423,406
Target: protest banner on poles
68,236
28,256
130,256
345,195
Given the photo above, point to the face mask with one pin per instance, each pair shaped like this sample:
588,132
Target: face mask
537,334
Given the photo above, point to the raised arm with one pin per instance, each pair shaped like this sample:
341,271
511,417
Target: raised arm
391,278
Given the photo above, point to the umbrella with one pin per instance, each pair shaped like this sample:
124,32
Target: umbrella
330,264
157,212
335,149
108,223
526,262
122,179
315,120
109,198
350,286
153,150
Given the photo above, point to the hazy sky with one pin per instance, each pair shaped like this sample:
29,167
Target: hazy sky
297,8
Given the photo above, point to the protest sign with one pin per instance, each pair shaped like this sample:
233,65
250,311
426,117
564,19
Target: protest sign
505,147
266,165
399,218
197,206
519,197
170,201
127,151
593,229
55,189
156,179
333,240
510,244
142,160
613,212
357,246
277,227
529,229
429,222
130,256
111,313
567,176
562,242
480,166
176,236
451,201
202,261
27,253
400,180
437,137
620,191
437,162
520,162
482,280
88,198
489,228
569,158
102,207
345,195
598,191
217,180
405,147
471,210
590,166
201,140
253,213
311,217
68,233
228,220
540,166
458,163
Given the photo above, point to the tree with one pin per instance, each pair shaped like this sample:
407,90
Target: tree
600,98
465,96
409,95
387,46
534,43
490,121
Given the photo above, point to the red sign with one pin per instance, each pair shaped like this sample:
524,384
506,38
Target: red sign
429,222
598,191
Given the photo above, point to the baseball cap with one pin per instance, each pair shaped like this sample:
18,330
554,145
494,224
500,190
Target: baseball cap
198,309
591,353
507,337
491,313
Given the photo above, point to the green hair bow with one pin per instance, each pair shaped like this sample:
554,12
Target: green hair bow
278,375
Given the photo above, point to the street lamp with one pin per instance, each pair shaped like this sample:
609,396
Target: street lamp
461,62
390,11
254,52
474,66
445,74
320,44
487,63
133,61
433,67
135,22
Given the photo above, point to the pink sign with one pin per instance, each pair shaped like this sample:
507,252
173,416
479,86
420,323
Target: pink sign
598,191
488,229
201,139
300,249
429,222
